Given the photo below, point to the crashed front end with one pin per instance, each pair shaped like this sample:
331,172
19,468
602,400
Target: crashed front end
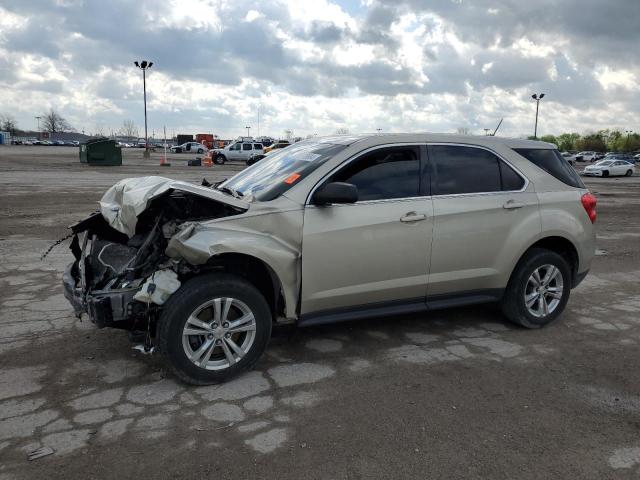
122,275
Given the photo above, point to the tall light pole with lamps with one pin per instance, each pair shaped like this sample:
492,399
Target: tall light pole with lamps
537,98
144,65
38,119
628,132
248,131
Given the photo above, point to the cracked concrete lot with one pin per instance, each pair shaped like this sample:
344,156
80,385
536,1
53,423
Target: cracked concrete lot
452,394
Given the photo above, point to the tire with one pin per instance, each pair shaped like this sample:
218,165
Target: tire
200,151
219,160
520,284
605,173
175,346
629,173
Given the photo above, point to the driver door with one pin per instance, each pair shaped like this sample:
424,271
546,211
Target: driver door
374,252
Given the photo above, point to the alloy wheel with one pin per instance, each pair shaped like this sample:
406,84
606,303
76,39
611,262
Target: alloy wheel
543,291
219,333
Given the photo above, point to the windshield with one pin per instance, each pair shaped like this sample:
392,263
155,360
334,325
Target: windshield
604,164
278,172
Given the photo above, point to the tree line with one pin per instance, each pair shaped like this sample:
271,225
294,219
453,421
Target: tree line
600,141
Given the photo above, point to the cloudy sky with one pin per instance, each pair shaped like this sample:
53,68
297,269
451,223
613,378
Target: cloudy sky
314,66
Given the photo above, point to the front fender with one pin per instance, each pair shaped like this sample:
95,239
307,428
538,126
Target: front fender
198,242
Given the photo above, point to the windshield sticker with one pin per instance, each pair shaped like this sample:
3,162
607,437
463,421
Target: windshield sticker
292,178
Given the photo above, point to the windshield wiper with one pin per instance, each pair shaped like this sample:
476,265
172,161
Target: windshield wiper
231,192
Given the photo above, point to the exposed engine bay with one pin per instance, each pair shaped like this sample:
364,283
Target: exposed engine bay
121,274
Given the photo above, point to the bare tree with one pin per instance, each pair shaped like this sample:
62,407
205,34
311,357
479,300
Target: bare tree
8,123
342,131
54,122
129,129
99,130
463,130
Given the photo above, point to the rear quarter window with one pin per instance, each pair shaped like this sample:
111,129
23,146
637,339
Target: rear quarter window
553,163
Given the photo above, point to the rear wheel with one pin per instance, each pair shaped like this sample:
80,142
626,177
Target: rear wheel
213,328
200,150
629,173
605,173
538,289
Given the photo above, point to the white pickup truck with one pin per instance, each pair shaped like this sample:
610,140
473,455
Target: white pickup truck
236,151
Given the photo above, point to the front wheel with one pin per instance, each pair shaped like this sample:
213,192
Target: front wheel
215,327
538,289
629,173
200,150
219,160
605,173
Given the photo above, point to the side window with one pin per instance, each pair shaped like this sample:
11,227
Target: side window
510,179
384,174
257,146
246,146
458,169
235,147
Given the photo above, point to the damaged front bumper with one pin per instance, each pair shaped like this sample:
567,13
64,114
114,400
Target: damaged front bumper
106,308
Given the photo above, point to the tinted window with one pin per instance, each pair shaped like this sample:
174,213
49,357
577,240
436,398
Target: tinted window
510,179
257,146
385,173
235,147
460,169
246,146
552,162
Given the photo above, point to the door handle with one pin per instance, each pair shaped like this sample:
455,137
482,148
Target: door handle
512,205
411,217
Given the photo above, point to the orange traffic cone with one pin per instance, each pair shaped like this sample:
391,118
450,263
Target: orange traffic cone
163,162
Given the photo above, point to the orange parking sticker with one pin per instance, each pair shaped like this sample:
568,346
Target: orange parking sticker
292,178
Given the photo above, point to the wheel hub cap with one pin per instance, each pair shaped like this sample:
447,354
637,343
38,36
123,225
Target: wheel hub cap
543,291
219,333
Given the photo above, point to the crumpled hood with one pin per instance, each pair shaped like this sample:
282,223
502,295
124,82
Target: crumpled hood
122,203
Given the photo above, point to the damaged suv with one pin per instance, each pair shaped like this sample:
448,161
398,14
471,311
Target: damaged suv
327,230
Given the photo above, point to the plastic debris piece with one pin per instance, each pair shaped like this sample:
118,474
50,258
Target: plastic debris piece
40,452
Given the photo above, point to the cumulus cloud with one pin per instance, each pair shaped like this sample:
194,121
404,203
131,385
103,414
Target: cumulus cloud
399,65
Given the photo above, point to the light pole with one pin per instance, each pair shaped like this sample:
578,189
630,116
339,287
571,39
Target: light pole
38,118
486,131
144,65
379,130
537,98
628,132
248,131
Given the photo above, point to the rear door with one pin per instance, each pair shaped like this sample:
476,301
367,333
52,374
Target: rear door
375,251
246,151
483,209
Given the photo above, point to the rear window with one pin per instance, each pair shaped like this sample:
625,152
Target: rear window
552,162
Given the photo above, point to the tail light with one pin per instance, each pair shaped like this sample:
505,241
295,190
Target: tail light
589,203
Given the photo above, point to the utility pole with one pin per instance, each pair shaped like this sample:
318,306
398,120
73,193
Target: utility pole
144,65
486,131
38,119
537,98
248,131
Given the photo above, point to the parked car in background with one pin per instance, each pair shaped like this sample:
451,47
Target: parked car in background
569,157
586,156
236,151
296,239
610,168
189,147
279,144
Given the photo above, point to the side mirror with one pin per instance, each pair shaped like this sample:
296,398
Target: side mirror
336,192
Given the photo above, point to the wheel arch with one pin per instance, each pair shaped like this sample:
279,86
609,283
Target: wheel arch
560,245
255,271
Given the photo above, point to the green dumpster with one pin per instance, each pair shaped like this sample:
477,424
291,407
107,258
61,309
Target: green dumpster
100,151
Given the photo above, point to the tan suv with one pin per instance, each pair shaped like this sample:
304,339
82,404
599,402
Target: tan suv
332,229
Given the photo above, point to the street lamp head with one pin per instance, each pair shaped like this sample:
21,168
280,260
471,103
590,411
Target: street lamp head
136,64
150,64
541,96
534,96
143,64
